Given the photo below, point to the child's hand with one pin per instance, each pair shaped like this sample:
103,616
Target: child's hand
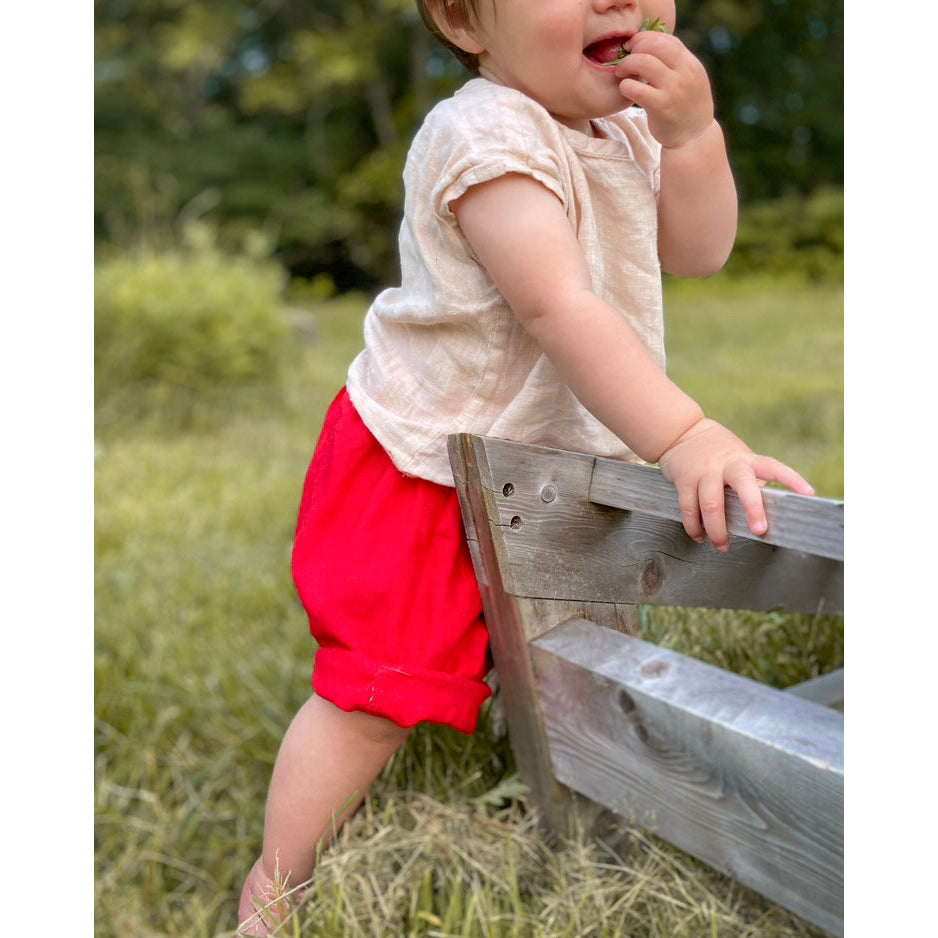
709,457
661,76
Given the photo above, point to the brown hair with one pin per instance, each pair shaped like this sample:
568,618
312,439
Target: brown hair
466,10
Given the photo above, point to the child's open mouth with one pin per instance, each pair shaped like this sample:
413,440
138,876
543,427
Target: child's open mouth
607,51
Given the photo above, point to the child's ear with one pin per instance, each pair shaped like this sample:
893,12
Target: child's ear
454,26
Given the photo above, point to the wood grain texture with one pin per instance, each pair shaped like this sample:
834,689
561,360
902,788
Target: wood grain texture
558,544
747,778
542,615
810,524
507,635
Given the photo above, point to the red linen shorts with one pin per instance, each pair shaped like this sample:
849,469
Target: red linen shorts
382,568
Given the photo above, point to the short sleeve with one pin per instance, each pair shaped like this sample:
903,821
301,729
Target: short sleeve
486,131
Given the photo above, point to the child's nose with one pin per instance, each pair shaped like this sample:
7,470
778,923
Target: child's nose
603,6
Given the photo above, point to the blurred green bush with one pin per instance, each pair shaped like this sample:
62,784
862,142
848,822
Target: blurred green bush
184,328
792,236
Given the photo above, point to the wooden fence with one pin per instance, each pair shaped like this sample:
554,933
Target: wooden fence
745,777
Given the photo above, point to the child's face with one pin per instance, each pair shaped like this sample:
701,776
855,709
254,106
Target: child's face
548,49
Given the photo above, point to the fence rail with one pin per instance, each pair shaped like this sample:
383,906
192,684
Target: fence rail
745,777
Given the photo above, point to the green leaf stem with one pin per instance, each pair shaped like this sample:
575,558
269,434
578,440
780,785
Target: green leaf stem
655,25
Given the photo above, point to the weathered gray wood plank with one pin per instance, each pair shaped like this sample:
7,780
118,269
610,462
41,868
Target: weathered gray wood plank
810,524
827,690
560,545
505,621
747,778
541,615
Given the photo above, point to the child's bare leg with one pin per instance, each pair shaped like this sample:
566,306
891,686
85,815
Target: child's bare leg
327,760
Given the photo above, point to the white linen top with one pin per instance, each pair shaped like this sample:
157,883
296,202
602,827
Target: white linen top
443,352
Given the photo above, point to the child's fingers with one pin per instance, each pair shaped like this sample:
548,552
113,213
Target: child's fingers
647,97
690,513
713,510
667,48
743,481
645,68
771,470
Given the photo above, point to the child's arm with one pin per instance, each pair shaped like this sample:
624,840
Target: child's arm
697,202
520,233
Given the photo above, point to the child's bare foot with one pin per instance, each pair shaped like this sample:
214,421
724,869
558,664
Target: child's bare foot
264,903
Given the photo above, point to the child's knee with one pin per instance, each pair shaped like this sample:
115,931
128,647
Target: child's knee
380,731
372,730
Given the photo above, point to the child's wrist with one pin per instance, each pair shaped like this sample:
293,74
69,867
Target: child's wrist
696,428
694,421
694,139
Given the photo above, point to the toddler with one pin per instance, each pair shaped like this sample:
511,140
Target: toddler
542,202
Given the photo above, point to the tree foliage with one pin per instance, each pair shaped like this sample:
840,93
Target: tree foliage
293,118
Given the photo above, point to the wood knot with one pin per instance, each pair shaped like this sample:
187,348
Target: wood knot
628,706
652,577
655,668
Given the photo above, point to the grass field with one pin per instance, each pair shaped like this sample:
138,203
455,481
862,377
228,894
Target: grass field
202,657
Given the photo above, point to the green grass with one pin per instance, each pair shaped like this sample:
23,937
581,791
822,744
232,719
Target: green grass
766,358
202,656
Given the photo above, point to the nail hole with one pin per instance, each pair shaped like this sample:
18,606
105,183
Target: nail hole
516,522
508,489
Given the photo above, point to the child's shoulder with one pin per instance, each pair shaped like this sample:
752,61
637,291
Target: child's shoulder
480,94
482,108
483,131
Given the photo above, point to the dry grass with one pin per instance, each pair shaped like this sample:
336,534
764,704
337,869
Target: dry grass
410,865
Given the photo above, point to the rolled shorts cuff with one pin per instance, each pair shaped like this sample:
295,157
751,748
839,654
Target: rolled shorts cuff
406,696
